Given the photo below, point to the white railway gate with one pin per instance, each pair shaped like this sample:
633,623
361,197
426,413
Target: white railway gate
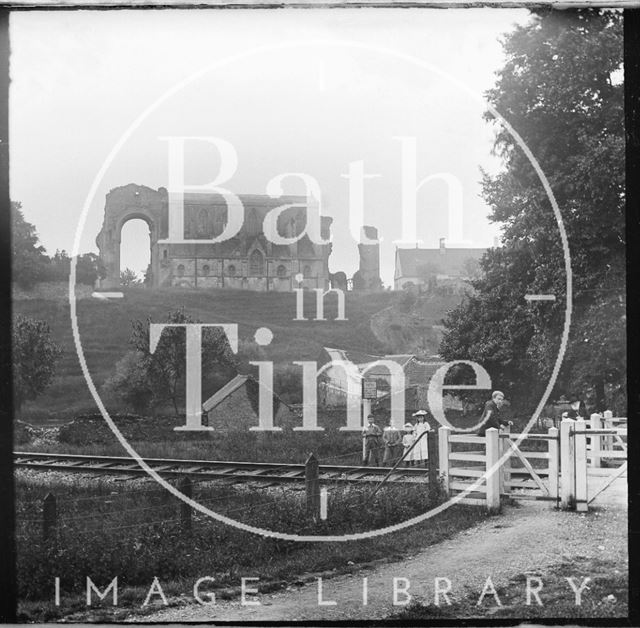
606,453
560,466
530,471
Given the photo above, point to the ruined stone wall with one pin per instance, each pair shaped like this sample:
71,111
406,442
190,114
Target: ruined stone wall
248,261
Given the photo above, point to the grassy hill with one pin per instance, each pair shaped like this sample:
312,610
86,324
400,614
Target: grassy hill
105,327
376,323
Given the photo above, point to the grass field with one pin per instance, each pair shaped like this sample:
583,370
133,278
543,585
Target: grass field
135,532
105,327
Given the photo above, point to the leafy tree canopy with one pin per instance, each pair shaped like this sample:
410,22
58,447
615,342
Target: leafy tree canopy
561,90
34,358
29,261
146,380
129,278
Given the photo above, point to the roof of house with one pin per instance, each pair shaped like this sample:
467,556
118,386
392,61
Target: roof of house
224,392
355,357
230,387
449,262
417,372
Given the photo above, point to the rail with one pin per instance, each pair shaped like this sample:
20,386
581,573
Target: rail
271,472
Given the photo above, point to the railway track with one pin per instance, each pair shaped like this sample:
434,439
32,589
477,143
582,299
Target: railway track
263,472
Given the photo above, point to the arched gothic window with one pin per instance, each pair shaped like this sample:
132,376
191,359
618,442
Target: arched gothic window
231,270
256,263
306,271
206,269
180,270
281,271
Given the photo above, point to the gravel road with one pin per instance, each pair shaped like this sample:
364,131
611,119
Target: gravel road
529,538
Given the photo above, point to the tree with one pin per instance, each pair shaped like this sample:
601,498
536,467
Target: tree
35,357
560,90
88,268
29,261
130,382
129,278
148,380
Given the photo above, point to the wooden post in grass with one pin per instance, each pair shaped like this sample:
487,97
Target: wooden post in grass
49,516
312,485
582,502
567,464
432,449
186,488
493,474
443,457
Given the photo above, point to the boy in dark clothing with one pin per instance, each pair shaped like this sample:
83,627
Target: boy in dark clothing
491,414
371,435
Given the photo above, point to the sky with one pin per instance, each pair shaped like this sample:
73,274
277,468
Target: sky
325,89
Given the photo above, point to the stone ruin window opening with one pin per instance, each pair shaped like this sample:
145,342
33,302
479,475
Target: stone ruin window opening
231,270
180,270
256,264
306,271
135,247
206,270
281,271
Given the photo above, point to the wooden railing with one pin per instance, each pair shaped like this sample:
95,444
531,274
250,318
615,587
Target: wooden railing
486,471
491,461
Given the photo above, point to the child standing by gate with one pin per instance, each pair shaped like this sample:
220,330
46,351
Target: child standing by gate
407,440
371,435
420,452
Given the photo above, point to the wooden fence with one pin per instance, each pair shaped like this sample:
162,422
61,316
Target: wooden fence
491,466
506,468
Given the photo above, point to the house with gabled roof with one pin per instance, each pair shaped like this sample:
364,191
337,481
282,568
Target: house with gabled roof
336,382
235,407
416,267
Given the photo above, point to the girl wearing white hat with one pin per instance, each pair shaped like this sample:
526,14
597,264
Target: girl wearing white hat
420,452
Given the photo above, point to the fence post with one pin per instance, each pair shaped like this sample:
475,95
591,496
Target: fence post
186,488
582,501
567,454
443,457
554,470
493,478
505,468
596,441
312,485
432,450
608,424
49,516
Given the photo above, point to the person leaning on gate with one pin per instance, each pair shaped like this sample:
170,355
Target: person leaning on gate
371,435
491,413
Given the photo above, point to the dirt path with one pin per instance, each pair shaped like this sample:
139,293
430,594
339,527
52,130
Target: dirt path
525,539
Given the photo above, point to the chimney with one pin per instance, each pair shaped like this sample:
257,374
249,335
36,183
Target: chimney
442,249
